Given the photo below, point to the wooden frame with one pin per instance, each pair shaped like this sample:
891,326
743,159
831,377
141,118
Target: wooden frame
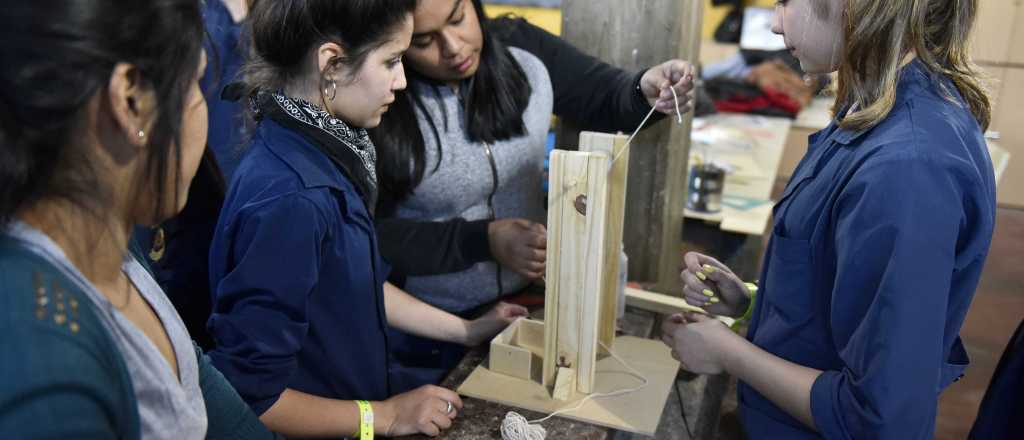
586,204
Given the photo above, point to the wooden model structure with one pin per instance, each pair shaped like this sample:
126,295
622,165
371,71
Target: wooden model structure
551,365
586,199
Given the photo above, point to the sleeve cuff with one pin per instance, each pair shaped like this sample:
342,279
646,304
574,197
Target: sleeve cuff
261,406
475,244
640,105
824,405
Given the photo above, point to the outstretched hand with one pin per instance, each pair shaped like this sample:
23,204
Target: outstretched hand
659,81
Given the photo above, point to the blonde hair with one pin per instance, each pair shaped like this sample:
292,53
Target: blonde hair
881,34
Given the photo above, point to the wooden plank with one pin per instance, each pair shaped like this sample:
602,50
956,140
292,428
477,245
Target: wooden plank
666,305
576,257
508,357
637,412
612,145
530,335
594,258
552,268
558,211
565,384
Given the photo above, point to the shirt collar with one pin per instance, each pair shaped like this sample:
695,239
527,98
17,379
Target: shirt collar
912,77
312,166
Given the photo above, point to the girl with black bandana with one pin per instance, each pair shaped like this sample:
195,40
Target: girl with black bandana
301,306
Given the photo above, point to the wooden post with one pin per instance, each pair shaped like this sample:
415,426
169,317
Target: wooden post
637,35
613,146
577,215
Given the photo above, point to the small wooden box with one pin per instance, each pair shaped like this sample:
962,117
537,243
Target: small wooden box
518,351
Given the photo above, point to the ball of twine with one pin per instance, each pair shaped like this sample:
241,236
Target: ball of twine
515,427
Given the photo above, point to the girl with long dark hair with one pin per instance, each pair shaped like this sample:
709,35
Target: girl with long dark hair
301,306
102,126
461,156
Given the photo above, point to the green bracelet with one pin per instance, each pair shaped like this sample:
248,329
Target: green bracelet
750,307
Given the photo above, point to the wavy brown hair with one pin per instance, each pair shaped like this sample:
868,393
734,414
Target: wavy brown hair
881,34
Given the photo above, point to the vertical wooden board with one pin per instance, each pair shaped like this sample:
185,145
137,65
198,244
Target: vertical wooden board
576,256
565,271
594,262
556,195
617,178
571,250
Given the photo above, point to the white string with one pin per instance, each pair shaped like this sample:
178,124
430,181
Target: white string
516,427
679,116
630,140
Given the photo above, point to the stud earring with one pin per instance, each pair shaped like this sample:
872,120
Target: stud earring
142,134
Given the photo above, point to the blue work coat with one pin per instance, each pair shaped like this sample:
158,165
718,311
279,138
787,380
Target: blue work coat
876,248
225,56
178,255
1001,414
296,278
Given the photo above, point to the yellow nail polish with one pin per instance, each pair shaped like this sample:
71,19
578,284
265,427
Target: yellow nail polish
708,292
702,276
713,300
709,269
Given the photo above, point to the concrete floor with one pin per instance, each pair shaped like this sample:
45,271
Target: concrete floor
997,309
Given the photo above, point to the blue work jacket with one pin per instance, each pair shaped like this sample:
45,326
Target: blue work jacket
225,56
296,278
876,248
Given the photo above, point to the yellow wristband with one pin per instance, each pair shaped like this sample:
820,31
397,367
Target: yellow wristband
365,420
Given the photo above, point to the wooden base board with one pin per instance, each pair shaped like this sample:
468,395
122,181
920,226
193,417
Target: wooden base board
637,412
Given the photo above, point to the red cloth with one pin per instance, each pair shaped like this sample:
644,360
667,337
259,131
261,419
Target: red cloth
769,98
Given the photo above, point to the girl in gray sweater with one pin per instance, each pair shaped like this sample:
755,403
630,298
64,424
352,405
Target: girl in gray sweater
461,156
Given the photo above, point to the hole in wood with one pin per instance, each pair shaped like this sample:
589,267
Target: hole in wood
581,204
562,363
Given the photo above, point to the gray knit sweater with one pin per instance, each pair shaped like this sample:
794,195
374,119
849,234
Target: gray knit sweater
462,183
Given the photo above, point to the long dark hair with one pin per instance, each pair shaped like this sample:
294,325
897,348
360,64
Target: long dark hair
495,99
284,33
55,56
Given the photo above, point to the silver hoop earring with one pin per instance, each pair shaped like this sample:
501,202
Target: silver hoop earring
334,90
142,134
